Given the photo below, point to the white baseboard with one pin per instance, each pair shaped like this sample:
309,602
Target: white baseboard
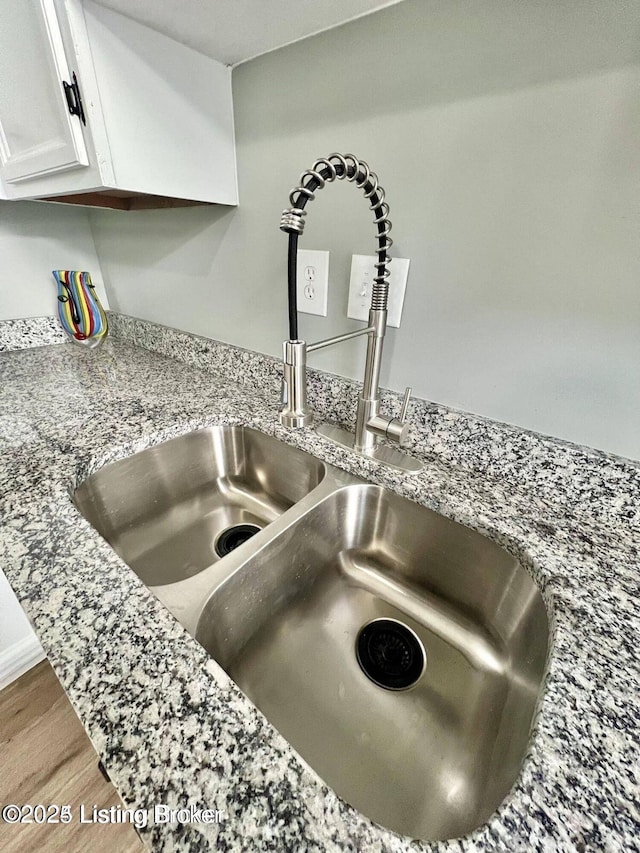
19,658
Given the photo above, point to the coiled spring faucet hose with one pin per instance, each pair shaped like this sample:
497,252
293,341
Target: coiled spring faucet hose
325,170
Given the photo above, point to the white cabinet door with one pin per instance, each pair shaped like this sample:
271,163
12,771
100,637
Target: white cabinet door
38,134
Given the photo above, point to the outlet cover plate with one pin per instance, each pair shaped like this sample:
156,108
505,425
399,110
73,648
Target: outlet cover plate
313,281
361,285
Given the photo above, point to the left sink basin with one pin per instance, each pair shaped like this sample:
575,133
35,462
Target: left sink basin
172,510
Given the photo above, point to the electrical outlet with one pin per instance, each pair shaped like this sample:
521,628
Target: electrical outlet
363,272
313,281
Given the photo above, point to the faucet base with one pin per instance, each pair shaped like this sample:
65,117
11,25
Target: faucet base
379,452
296,420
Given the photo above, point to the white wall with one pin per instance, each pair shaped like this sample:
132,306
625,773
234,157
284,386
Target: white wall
19,648
506,135
35,238
13,628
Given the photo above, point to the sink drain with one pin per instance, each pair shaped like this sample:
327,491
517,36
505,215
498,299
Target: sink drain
390,654
234,536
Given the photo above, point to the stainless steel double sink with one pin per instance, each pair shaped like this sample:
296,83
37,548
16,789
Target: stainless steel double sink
400,653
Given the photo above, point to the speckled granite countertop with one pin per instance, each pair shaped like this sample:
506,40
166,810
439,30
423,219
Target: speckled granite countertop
168,723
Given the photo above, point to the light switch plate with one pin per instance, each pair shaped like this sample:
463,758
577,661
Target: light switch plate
313,281
363,272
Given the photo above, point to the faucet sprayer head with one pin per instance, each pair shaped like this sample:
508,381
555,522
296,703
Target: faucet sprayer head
291,221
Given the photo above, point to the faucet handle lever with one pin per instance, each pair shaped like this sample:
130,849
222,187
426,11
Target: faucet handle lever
395,429
405,404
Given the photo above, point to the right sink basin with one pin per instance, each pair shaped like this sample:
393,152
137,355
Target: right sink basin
400,653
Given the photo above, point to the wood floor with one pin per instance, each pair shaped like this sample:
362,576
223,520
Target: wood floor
46,758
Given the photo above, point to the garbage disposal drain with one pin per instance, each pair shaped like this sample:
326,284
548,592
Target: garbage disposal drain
234,536
390,654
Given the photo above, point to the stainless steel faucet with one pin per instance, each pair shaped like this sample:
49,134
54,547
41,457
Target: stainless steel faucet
371,424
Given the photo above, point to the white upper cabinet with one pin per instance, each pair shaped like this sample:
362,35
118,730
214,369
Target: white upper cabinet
98,109
38,134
